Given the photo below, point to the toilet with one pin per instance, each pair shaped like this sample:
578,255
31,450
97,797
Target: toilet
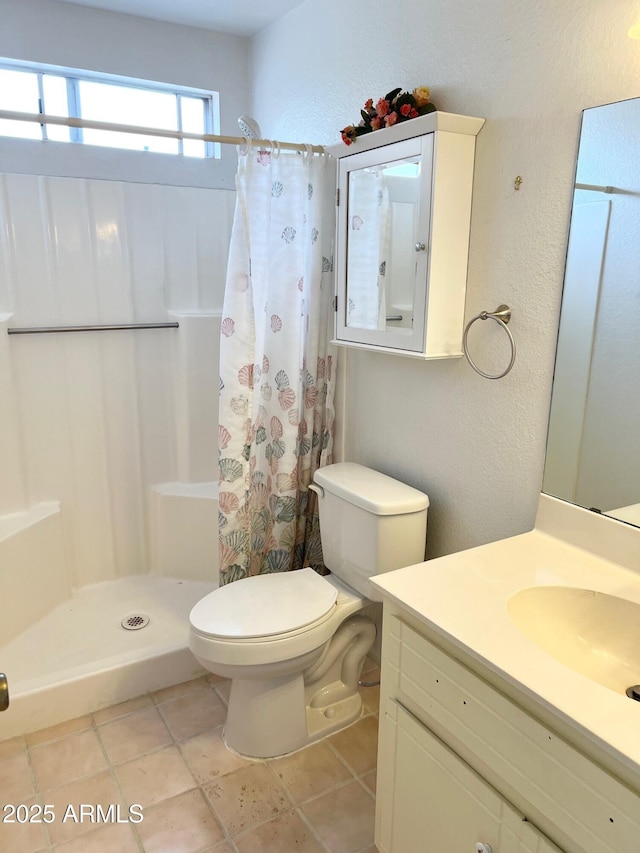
293,643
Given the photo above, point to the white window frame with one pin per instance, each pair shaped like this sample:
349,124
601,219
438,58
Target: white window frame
73,77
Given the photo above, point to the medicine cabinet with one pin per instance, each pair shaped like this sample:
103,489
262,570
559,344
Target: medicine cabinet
403,218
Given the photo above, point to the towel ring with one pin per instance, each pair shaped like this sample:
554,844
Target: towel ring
501,315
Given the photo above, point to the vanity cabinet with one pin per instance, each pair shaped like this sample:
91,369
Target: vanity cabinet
439,803
403,221
461,764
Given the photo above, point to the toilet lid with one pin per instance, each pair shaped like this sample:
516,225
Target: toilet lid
264,605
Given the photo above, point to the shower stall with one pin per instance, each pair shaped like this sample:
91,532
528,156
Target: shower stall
108,439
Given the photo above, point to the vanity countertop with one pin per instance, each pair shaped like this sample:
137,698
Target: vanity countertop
462,598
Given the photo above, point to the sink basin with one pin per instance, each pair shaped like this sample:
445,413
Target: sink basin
596,634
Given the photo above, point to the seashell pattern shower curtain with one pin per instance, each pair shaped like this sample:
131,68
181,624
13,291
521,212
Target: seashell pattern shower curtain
277,365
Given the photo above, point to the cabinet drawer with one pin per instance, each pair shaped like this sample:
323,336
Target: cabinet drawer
441,804
573,800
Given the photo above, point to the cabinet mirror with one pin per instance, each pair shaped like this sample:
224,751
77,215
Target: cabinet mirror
382,240
385,244
404,204
593,448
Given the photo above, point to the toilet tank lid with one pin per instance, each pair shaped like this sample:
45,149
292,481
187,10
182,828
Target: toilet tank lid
372,491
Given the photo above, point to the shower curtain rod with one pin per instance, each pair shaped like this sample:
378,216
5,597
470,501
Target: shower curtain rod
41,118
595,188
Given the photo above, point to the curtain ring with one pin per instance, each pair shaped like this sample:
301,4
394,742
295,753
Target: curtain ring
308,154
248,142
275,149
501,315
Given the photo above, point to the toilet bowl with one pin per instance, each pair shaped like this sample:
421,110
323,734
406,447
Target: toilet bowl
293,643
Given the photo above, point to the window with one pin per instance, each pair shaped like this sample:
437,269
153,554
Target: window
69,93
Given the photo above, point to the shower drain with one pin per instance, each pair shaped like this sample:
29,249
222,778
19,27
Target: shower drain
135,622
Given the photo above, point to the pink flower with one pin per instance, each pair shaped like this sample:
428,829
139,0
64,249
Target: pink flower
397,106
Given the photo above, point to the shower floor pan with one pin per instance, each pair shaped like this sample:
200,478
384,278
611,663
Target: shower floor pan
79,658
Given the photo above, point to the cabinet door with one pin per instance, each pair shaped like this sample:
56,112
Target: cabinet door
439,804
383,220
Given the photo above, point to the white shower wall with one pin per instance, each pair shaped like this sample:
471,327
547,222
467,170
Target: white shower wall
96,420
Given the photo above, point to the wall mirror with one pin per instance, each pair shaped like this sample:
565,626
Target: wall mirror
593,447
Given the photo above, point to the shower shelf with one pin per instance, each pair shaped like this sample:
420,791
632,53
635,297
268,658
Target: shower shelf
15,522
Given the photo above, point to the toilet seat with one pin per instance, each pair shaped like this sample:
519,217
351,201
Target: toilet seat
326,596
264,606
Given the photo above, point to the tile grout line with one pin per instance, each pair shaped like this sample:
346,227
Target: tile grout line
201,786
306,821
111,766
36,794
41,795
294,808
339,755
177,742
297,807
254,762
226,835
116,782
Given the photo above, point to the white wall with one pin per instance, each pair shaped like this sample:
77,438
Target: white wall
92,235
94,420
476,446
73,36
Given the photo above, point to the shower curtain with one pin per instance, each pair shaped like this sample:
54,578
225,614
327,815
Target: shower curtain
277,365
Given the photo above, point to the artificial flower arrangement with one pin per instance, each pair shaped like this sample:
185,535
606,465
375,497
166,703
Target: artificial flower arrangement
395,107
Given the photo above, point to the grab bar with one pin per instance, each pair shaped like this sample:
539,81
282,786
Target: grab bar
46,330
4,692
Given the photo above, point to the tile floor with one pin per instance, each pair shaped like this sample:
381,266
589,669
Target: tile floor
164,752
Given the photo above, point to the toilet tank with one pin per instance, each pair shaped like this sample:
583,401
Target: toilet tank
369,523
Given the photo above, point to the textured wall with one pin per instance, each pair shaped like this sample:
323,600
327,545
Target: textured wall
477,447
95,40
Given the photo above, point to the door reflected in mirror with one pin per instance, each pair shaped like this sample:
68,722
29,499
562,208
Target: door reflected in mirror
593,448
381,245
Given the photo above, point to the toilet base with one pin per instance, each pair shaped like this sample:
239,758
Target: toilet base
261,719
325,721
265,720
273,716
